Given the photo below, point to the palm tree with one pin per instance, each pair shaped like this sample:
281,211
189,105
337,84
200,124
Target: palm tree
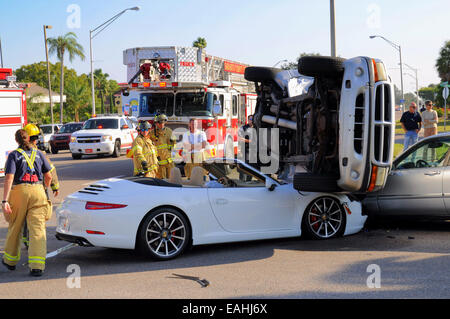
78,96
101,82
443,62
60,45
200,43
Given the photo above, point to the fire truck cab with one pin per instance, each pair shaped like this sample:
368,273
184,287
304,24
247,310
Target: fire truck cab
185,83
13,114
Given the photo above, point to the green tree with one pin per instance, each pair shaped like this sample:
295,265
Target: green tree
199,43
443,62
428,93
294,65
77,96
59,46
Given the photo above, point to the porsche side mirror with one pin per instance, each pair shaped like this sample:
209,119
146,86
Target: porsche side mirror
270,185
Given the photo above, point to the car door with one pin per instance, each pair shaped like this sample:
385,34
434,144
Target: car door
251,207
415,184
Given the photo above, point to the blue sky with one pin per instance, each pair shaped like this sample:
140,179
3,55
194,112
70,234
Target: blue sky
257,32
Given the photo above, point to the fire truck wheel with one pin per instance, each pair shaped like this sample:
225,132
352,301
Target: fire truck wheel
319,66
54,150
309,182
260,74
116,152
229,148
76,156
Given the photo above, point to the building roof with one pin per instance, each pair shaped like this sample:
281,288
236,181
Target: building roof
38,94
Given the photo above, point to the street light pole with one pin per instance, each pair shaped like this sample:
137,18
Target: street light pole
333,28
417,81
102,27
399,49
1,52
92,74
48,71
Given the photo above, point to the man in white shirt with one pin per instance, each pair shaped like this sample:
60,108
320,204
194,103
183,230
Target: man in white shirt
194,144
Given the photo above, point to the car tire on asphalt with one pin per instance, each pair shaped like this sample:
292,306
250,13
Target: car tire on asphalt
47,150
321,66
309,182
76,156
324,218
116,152
164,234
54,150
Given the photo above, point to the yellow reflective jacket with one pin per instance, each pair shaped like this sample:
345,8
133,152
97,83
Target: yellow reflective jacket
143,150
55,181
164,141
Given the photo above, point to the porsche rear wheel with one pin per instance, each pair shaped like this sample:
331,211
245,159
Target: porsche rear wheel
324,218
164,234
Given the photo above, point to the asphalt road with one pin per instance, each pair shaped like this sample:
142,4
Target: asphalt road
413,258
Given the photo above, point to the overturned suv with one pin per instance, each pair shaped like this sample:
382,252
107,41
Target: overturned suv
335,119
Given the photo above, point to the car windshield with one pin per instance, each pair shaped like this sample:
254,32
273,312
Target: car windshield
156,103
234,174
70,128
93,124
47,129
194,104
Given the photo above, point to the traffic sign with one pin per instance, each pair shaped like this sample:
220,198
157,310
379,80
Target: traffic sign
445,93
445,84
402,101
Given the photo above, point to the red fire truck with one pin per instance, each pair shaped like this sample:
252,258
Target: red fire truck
13,114
185,83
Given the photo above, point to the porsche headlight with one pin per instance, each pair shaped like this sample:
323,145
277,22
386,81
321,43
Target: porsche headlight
106,138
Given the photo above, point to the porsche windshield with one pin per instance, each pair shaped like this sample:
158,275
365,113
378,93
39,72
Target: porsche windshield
93,124
194,103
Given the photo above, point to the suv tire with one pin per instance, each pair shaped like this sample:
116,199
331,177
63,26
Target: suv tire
321,66
116,152
309,182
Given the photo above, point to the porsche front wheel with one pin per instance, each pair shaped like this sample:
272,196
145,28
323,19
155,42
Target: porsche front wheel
164,234
324,218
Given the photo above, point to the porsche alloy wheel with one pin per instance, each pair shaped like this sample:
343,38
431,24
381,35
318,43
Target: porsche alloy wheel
165,234
324,218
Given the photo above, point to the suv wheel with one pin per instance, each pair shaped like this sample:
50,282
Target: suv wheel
116,152
309,182
54,150
321,66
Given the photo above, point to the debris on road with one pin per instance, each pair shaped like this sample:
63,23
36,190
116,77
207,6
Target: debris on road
203,282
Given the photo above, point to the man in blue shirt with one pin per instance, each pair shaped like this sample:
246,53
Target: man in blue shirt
411,123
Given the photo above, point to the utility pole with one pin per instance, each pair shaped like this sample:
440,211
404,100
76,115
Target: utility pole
1,52
48,71
333,28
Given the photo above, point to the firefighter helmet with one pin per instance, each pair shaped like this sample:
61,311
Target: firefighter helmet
161,118
31,130
144,126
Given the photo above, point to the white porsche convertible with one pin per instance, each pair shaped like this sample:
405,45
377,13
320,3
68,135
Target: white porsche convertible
224,201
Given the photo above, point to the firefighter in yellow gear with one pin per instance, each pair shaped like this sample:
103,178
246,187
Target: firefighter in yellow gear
144,153
33,132
164,141
24,199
